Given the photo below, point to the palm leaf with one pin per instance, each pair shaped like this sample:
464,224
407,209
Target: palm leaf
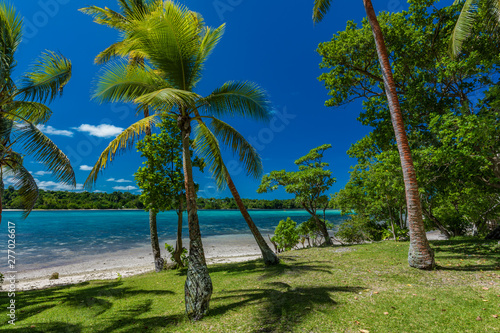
320,9
122,142
246,152
105,16
207,147
11,26
35,113
47,78
238,99
41,148
209,40
167,98
123,83
23,181
463,26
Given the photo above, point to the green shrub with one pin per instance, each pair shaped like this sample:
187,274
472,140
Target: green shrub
309,231
286,235
184,255
358,229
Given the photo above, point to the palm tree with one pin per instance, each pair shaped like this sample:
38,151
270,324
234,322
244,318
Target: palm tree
130,10
22,107
468,16
137,10
420,254
176,44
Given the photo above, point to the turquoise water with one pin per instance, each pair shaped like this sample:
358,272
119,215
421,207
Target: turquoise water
56,236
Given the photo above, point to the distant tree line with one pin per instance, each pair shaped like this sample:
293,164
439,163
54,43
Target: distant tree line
126,200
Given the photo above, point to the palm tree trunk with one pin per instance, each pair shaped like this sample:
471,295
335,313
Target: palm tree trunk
154,242
420,254
270,258
178,243
198,287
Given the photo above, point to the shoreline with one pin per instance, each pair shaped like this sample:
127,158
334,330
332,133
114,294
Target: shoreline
124,263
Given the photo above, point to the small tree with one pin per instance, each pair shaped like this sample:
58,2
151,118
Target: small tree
286,235
309,185
162,181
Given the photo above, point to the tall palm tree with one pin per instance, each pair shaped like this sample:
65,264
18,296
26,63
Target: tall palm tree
130,11
22,107
420,254
176,44
468,16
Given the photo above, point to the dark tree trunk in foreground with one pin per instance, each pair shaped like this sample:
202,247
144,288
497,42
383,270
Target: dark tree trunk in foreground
178,243
420,254
198,287
159,261
270,258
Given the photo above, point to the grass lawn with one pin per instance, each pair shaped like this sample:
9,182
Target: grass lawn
363,288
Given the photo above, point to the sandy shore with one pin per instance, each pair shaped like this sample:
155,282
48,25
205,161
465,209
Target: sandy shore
218,249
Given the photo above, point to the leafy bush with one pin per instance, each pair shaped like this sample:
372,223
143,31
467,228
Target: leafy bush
184,255
358,229
309,231
399,233
286,235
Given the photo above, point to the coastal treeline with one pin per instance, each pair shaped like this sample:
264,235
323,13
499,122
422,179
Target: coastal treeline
126,200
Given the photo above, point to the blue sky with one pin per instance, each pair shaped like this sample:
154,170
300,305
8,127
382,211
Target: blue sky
272,43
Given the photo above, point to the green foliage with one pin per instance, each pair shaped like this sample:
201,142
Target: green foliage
358,229
399,233
286,236
309,230
184,254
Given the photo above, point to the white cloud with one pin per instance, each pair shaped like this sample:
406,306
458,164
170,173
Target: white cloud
85,168
97,191
42,173
53,131
53,186
119,180
124,188
101,131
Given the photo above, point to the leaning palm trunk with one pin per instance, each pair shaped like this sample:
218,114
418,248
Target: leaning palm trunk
270,258
198,287
420,254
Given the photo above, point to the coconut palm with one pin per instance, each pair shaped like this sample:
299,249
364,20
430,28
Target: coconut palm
22,107
175,44
468,16
130,11
420,254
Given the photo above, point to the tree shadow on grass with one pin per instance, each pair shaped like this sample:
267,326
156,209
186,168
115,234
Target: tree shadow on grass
97,298
468,249
281,306
54,327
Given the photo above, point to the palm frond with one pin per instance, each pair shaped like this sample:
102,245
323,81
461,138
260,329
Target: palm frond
11,26
41,148
243,99
117,49
47,78
209,40
105,16
207,147
463,26
247,154
167,98
6,126
171,39
123,83
122,142
320,9
35,113
23,181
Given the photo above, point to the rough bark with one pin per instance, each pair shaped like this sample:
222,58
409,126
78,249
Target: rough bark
178,243
420,254
159,261
198,287
270,258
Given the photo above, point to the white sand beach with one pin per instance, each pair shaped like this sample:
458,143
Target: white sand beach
218,249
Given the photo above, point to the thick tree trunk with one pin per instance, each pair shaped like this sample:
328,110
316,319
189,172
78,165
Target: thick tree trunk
420,254
178,243
159,261
198,287
270,258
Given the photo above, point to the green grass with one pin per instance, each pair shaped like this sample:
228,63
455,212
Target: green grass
366,287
